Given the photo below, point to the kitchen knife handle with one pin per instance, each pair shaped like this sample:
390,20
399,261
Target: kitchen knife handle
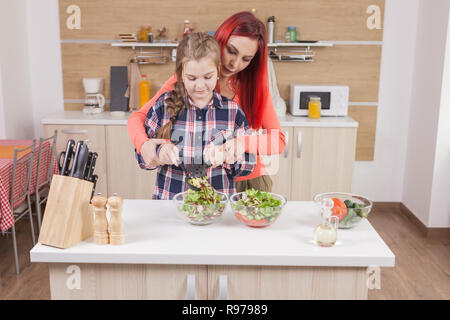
75,158
67,157
92,165
223,287
299,145
286,149
94,180
81,162
190,293
74,131
62,154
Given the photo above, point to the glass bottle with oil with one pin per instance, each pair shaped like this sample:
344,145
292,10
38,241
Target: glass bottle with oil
325,234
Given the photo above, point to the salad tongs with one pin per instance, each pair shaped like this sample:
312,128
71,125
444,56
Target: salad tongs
194,171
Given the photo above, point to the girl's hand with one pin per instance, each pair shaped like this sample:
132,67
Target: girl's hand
168,154
215,155
148,151
233,151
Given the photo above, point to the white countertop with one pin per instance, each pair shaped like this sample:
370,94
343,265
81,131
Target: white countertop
155,235
107,118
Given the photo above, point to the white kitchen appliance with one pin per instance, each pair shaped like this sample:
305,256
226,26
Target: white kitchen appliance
94,100
334,99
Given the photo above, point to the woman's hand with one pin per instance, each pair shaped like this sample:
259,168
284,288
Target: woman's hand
148,151
168,154
230,152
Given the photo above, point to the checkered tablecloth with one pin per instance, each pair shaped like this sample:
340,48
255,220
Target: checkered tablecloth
6,168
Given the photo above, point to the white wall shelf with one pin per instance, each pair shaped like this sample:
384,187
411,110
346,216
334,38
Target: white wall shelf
175,44
134,45
295,51
302,50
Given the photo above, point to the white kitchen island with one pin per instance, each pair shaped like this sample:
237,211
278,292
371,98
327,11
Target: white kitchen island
164,257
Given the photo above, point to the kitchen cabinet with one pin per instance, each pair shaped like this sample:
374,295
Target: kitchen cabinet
94,136
322,161
125,177
132,282
286,282
315,160
164,257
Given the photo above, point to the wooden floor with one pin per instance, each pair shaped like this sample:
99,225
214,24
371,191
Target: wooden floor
422,265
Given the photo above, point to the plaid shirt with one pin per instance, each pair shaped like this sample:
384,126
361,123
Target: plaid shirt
194,132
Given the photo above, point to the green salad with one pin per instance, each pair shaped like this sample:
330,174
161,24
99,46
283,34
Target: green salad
202,207
354,214
257,208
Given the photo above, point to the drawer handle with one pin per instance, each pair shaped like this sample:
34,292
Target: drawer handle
74,131
190,294
223,287
286,149
299,145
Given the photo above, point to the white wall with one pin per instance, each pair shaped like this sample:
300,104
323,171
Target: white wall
440,199
424,113
2,116
14,65
382,178
45,60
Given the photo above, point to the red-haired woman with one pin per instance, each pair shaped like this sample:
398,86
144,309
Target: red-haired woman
243,78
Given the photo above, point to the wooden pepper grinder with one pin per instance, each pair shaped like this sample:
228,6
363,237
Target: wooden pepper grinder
101,235
117,235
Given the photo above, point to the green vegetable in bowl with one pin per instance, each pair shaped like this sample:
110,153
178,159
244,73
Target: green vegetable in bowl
202,206
257,208
207,194
256,198
354,213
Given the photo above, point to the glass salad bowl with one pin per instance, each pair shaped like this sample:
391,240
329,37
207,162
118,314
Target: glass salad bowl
257,209
349,208
197,211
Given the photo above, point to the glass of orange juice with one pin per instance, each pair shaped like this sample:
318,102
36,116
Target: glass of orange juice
314,106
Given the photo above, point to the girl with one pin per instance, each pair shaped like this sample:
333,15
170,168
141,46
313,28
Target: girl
243,78
197,120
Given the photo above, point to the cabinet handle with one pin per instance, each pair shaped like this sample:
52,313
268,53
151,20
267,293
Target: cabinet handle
190,294
299,145
286,149
223,287
74,131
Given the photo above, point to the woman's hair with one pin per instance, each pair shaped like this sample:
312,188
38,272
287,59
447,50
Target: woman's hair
194,46
251,83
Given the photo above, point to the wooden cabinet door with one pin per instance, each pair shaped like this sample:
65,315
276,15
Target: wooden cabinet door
279,167
125,177
111,281
286,283
323,161
94,136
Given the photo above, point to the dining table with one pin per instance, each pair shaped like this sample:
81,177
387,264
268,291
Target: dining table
6,170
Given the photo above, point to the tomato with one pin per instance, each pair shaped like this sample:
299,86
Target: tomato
258,223
339,209
251,223
241,217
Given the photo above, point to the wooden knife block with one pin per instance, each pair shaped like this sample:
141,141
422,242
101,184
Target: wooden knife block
68,218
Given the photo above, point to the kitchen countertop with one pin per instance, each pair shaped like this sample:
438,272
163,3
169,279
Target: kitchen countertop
155,235
108,118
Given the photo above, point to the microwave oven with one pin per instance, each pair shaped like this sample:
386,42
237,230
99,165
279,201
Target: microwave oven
334,99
